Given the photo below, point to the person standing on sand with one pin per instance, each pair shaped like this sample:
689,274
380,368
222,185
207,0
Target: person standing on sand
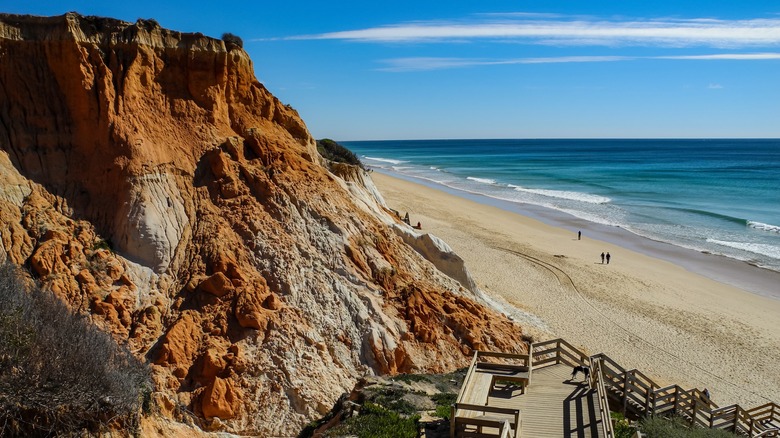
602,258
579,235
607,258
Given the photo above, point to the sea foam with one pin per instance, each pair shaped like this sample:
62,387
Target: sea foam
481,180
385,160
561,194
764,227
772,251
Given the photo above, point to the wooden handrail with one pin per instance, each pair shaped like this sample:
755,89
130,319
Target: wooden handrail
502,355
563,351
468,376
606,416
775,431
633,386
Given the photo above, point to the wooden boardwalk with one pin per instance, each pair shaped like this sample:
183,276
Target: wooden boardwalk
530,395
553,406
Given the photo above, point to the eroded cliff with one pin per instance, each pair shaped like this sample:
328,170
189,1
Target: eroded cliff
149,180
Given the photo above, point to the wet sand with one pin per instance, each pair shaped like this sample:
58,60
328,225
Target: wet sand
655,307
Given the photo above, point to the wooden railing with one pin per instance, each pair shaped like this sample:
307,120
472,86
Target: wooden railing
598,381
464,385
483,359
469,373
637,395
556,351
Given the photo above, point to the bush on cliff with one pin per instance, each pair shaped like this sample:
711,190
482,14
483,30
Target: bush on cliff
333,151
59,374
662,427
232,40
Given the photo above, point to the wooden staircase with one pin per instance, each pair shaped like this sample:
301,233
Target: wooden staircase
636,396
628,391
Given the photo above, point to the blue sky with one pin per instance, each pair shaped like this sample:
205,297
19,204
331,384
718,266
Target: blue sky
498,69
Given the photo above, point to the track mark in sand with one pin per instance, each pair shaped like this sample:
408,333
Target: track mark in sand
563,278
566,281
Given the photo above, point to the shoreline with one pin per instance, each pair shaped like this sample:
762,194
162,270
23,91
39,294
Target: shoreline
646,312
726,270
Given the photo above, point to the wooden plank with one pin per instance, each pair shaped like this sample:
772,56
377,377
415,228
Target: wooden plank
503,355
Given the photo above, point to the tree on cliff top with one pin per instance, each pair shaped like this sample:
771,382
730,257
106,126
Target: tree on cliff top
58,373
333,151
232,40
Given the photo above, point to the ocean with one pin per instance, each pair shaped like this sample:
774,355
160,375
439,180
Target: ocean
714,196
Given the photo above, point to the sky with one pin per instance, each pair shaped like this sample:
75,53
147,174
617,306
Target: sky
497,69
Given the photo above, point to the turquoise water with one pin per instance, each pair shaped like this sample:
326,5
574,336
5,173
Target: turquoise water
716,196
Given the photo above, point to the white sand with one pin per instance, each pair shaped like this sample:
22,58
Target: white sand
645,313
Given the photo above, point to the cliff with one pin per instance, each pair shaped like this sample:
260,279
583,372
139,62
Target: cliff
151,182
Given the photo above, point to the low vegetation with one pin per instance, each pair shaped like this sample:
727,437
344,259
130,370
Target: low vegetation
621,426
375,421
333,151
232,40
401,406
661,427
59,374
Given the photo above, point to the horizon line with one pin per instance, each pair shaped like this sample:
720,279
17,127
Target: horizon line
558,138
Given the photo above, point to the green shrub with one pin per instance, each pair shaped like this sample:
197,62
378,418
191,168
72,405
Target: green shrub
444,402
375,421
333,151
232,40
59,374
409,378
661,427
393,399
621,426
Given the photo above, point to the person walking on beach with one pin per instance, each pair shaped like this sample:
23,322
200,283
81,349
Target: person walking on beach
607,258
602,258
579,235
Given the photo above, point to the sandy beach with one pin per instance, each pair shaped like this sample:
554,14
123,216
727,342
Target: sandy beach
645,312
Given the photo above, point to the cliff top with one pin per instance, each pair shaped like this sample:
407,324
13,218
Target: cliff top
102,30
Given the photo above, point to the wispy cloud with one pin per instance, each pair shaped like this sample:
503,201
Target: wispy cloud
536,29
715,87
435,63
432,63
727,56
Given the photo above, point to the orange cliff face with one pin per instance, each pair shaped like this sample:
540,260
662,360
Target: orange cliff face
148,179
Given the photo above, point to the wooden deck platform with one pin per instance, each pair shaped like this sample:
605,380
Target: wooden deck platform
554,407
551,406
530,395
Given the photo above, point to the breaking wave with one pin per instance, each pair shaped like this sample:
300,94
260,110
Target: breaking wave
572,196
764,227
481,180
385,160
772,251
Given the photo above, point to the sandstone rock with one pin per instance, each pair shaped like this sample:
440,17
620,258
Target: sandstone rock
47,258
217,285
221,399
181,342
250,312
166,145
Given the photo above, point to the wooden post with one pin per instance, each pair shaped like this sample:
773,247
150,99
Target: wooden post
452,420
625,393
648,394
655,403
